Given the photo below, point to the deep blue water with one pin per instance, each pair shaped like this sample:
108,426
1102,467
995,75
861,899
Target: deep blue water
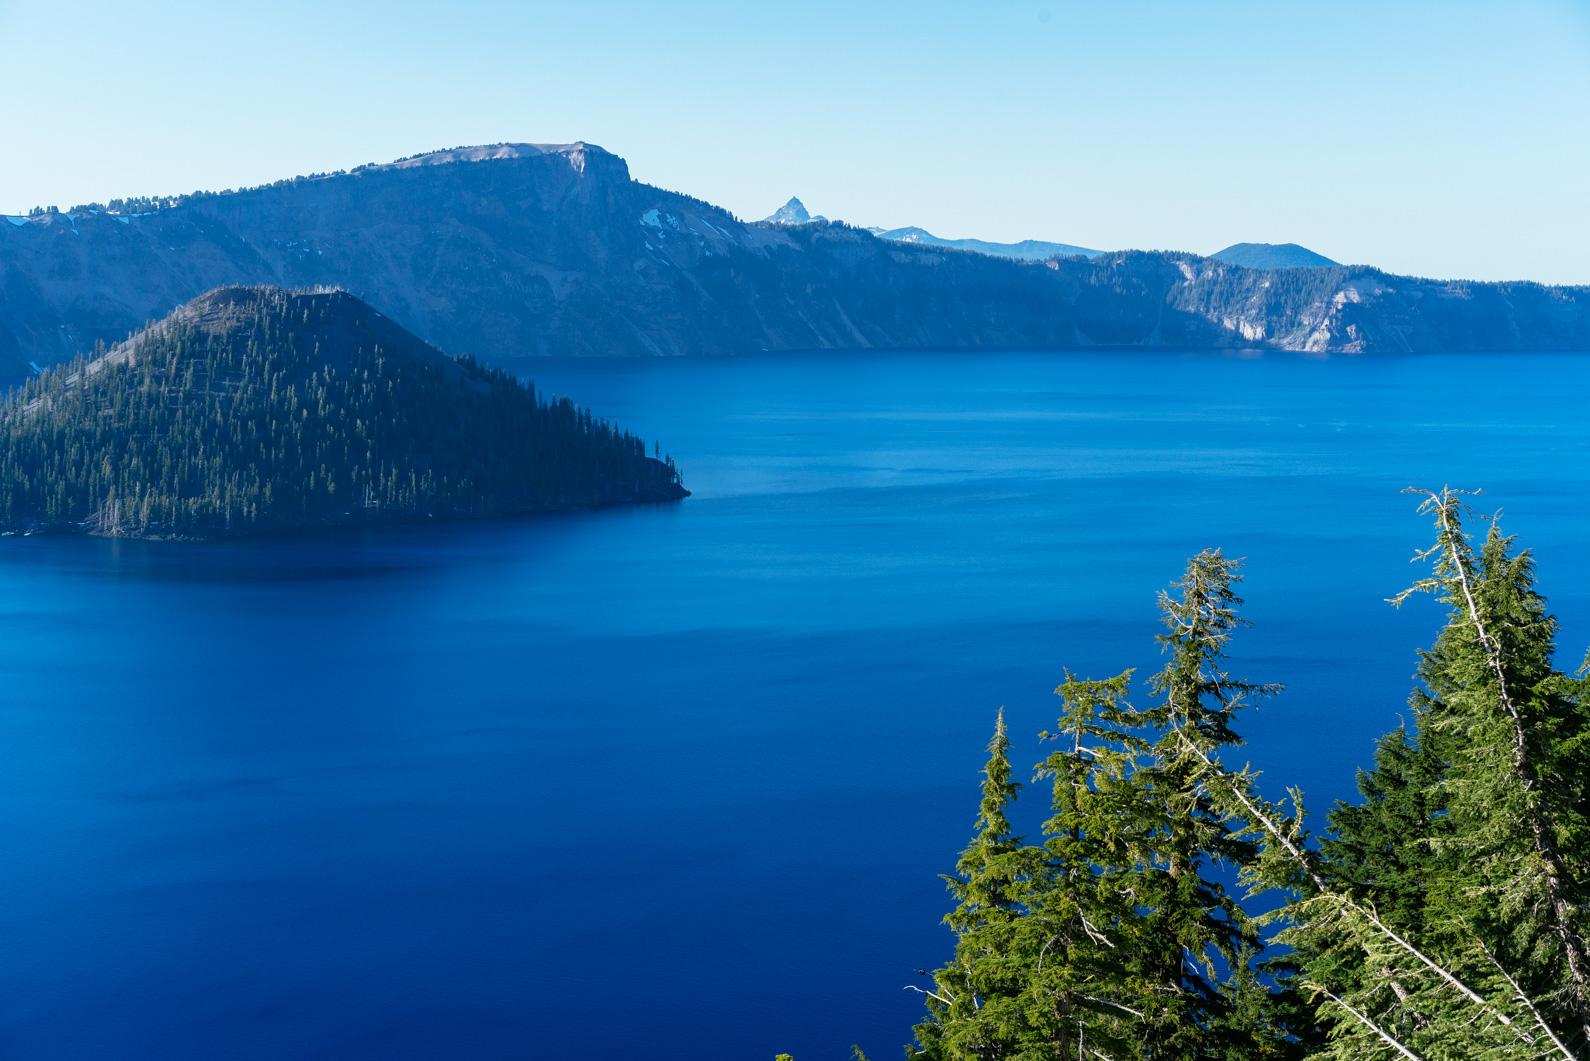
676,782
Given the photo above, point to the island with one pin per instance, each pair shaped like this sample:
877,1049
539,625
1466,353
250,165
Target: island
251,409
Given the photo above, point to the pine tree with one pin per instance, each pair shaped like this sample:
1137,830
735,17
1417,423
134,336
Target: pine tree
1430,930
1086,993
1044,934
1390,848
1385,854
974,1008
1442,919
1516,732
1196,927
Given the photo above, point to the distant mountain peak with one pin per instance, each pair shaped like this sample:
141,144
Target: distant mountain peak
792,213
1271,256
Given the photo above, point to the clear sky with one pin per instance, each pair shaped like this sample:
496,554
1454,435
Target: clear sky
1445,139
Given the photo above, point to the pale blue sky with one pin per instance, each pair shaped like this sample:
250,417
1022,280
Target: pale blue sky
1444,139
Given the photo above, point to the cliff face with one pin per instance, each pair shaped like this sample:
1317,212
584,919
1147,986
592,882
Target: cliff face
534,249
471,250
1358,310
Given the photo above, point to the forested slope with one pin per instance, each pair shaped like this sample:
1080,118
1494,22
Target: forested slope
251,409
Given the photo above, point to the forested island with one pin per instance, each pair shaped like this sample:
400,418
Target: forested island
251,409
1440,917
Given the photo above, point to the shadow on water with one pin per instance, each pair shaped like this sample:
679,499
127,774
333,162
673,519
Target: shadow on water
318,554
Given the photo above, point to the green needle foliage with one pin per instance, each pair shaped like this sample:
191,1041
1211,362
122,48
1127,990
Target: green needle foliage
1441,918
977,1002
1085,901
1197,926
1113,938
257,408
1514,731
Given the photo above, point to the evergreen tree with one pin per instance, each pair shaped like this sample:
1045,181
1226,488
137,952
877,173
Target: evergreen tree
1386,853
1430,928
1037,975
1087,993
974,1008
1390,848
1441,920
1516,735
1197,928
1113,932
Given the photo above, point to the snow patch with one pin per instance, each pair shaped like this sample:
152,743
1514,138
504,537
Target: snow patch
655,219
16,220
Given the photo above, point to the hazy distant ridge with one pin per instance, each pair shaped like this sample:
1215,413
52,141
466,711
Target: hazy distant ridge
1272,256
1027,250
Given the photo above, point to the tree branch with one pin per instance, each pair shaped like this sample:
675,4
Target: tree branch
1114,1005
1372,1026
1533,1012
1325,891
918,990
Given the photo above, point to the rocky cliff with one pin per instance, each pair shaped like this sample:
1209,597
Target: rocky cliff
553,249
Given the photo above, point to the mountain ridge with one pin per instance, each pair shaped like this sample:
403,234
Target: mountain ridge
1025,250
512,250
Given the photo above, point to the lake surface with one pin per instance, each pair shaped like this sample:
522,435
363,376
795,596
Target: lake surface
677,782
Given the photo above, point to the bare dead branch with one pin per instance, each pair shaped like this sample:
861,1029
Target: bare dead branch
1372,1026
918,990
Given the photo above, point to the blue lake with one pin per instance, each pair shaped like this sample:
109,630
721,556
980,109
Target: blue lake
677,782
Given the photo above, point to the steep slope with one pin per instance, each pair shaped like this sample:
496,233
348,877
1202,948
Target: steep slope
1352,309
1026,250
251,408
521,249
1271,256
